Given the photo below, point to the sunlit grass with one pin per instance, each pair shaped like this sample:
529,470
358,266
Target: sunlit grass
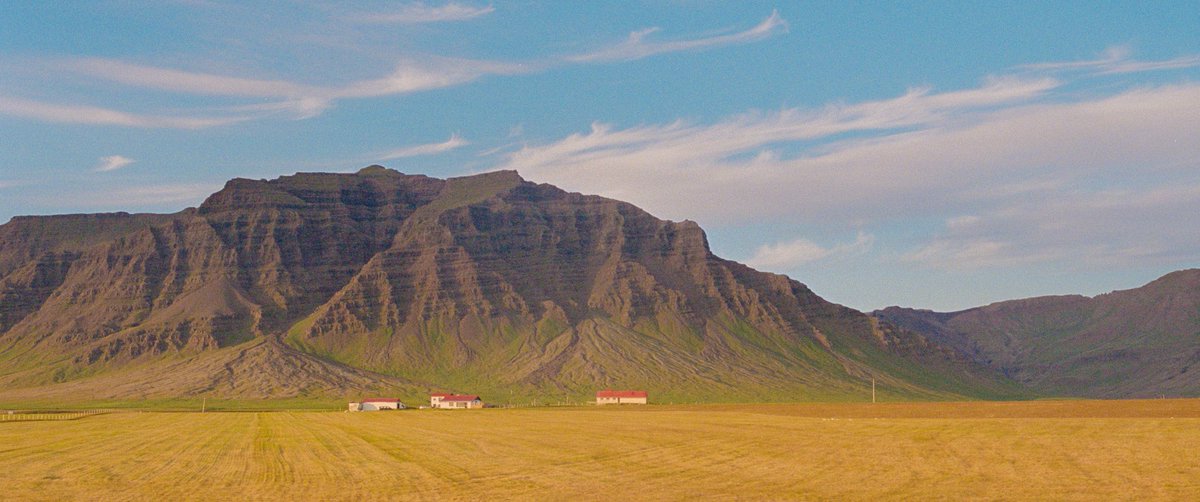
1081,450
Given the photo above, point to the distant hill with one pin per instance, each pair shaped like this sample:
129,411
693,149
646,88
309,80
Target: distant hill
1142,342
339,284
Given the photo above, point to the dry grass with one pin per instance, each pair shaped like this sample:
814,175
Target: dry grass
1083,450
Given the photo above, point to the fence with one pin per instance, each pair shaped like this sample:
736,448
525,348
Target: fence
43,416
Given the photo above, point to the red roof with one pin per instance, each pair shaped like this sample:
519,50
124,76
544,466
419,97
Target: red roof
459,397
381,400
621,393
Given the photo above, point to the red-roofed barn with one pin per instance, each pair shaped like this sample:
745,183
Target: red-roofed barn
621,397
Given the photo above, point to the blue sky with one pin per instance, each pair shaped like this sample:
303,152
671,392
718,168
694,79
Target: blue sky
930,154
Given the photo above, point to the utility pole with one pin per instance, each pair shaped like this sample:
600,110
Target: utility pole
872,389
203,404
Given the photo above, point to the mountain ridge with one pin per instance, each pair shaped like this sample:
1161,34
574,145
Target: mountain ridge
1140,342
485,283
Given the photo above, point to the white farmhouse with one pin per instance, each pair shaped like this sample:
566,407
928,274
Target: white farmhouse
455,401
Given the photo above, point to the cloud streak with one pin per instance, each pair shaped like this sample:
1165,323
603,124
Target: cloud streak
737,152
187,82
164,194
787,255
299,101
1117,60
112,163
417,13
639,45
1077,228
94,115
454,142
1027,162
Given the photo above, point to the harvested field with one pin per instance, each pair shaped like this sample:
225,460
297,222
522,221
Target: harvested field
1063,450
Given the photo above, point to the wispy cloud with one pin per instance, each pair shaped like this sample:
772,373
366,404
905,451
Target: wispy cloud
1078,228
639,44
413,75
164,194
1028,160
416,13
297,100
787,255
112,163
632,163
187,82
94,115
1117,59
300,100
113,196
455,141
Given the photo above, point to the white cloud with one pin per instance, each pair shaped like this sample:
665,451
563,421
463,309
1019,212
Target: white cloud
187,82
638,45
786,255
301,101
416,13
1116,60
1077,228
455,141
93,115
165,194
413,75
707,163
1032,163
112,163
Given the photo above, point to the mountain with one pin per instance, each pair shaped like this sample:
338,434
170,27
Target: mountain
324,284
1142,342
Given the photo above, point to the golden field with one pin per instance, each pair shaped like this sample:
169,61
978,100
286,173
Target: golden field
1060,450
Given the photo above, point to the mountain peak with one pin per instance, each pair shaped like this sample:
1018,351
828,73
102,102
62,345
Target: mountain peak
376,170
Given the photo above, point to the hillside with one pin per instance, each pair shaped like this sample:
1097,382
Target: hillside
1142,342
332,284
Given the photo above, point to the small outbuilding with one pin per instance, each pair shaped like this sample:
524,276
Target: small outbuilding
455,401
621,397
376,404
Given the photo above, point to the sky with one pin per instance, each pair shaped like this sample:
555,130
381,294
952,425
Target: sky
929,154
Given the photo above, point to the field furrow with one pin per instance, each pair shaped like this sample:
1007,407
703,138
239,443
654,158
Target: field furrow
654,453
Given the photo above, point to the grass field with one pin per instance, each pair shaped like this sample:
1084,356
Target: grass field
1061,450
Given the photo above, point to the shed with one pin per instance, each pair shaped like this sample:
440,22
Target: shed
379,403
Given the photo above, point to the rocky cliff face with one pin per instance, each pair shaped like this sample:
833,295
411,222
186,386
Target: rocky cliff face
485,283
1142,342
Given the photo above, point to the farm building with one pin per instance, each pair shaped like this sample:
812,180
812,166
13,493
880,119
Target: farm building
455,401
376,404
621,397
435,400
